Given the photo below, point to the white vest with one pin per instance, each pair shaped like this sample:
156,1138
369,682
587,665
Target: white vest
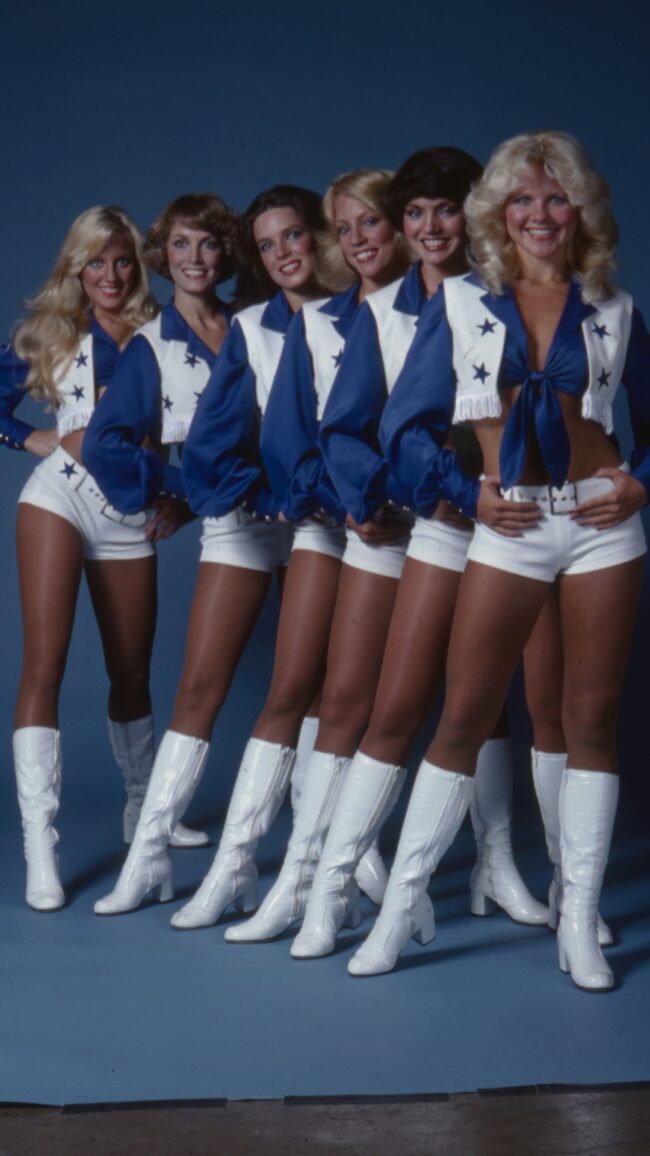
396,330
472,349
325,345
181,384
75,388
264,349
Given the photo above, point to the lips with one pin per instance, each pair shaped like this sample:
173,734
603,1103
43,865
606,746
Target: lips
290,268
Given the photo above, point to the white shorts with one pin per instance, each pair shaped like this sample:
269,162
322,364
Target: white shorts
239,539
558,544
440,544
385,560
59,484
319,537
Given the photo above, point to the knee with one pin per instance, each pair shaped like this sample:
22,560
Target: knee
287,701
43,673
590,720
346,709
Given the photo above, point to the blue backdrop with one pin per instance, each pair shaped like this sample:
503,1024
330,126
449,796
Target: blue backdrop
136,103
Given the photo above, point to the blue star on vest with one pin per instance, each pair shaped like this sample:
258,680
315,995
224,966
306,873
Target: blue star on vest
82,359
190,359
603,379
167,402
487,327
600,330
78,392
480,373
69,469
337,358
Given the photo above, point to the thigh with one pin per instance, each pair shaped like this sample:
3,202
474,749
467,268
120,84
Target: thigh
124,598
308,601
226,605
544,674
495,614
598,613
49,570
363,611
414,659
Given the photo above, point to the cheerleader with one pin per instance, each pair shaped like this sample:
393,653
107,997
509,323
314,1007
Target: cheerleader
531,349
424,201
243,544
360,252
65,354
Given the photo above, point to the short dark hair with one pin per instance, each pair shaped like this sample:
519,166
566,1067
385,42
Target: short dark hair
203,211
253,282
433,173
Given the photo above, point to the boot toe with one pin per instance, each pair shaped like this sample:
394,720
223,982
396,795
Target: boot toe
46,900
311,945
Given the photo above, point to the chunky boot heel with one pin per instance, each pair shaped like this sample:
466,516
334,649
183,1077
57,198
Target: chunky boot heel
380,953
481,905
247,902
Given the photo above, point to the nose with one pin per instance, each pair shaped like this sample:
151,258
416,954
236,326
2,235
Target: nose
539,209
357,236
282,248
431,221
110,271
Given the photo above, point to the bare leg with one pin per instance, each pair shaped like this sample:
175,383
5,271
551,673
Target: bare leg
227,603
486,643
363,611
308,602
123,594
543,674
49,571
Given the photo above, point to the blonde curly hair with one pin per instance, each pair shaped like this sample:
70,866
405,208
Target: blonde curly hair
591,253
49,338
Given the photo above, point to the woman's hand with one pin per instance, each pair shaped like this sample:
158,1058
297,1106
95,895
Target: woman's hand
613,507
171,514
377,533
503,516
42,442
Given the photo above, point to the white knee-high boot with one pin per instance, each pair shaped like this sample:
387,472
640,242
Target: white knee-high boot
495,879
134,752
588,801
285,902
548,770
37,759
175,776
304,750
436,809
260,787
368,795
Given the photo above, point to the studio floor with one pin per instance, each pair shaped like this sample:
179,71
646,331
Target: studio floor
125,1009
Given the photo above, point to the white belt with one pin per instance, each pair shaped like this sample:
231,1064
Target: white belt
558,499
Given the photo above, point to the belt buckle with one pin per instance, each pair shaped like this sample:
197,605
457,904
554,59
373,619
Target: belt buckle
565,494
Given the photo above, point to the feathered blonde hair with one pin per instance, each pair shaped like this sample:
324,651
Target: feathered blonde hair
368,186
591,253
48,339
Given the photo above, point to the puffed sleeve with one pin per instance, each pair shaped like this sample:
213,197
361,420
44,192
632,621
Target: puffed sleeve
289,435
348,433
221,461
13,372
636,378
130,474
417,419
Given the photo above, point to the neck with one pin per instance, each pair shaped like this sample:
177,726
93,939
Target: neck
434,275
113,323
198,310
298,297
538,272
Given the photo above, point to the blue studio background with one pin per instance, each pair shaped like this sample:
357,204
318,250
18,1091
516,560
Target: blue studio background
134,104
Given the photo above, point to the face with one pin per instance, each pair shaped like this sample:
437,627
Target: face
539,218
435,230
286,247
194,258
366,239
108,278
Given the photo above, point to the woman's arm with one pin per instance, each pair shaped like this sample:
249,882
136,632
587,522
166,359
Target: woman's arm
417,418
16,434
289,435
222,467
129,473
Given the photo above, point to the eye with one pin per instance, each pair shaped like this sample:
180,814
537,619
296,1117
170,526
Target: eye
125,262
211,243
558,199
521,199
96,263
179,242
264,246
294,234
370,222
449,210
343,230
413,212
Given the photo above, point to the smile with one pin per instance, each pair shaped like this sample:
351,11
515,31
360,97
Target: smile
365,256
290,267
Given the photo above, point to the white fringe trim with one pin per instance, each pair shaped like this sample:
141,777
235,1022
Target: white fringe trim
175,431
73,421
598,409
476,406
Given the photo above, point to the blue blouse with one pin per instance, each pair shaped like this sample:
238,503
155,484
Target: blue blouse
290,427
222,464
129,473
418,416
349,427
13,374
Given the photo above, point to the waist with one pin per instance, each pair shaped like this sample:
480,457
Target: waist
561,499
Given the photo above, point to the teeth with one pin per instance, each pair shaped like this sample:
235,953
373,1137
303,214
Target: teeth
541,233
433,244
195,272
367,255
291,267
